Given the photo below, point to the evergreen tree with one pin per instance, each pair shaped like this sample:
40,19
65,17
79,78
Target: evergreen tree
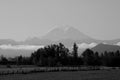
75,54
51,55
97,61
75,51
88,57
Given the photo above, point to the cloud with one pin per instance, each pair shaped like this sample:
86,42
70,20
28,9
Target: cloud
85,45
118,44
21,47
35,47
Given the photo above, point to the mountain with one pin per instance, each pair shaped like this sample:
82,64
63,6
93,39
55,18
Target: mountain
37,41
65,32
8,41
67,35
105,47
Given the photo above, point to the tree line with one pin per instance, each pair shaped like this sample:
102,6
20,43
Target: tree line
59,55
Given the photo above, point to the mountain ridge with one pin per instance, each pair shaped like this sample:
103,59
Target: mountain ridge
101,48
68,36
64,34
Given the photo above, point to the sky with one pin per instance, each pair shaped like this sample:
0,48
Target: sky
21,19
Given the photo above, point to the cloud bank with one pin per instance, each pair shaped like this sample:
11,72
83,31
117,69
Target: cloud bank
85,45
21,47
35,47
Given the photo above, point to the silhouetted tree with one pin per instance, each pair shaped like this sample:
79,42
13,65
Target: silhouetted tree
110,58
38,57
59,55
19,60
75,51
97,59
75,54
3,60
88,57
51,55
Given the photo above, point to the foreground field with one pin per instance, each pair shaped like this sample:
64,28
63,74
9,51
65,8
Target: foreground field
77,75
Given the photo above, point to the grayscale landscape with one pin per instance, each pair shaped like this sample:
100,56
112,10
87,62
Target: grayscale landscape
59,40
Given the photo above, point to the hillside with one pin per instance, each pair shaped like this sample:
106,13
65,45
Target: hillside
105,47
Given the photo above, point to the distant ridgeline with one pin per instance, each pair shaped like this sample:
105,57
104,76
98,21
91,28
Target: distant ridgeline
58,55
60,34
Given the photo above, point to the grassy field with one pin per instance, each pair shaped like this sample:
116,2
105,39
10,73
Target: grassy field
28,70
76,75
